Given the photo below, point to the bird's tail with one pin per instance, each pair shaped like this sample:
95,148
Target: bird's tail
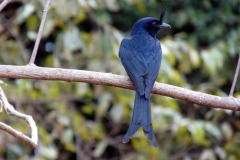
141,118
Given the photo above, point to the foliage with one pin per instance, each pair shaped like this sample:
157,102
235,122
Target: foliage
88,121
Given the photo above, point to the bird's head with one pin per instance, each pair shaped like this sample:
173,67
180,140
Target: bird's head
150,25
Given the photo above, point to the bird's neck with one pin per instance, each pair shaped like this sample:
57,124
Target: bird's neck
140,31
136,30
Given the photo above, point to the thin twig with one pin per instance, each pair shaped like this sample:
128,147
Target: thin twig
39,35
18,135
235,77
4,104
109,79
4,4
78,146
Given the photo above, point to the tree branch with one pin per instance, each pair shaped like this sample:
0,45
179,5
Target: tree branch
4,104
109,79
235,77
4,4
39,35
18,135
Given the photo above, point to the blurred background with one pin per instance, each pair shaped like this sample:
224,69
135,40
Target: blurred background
85,121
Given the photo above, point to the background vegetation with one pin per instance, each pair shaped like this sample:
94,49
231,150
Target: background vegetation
84,121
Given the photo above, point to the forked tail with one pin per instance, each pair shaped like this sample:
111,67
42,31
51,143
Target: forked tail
141,118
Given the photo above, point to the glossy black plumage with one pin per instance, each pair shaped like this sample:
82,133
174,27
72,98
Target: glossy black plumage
141,57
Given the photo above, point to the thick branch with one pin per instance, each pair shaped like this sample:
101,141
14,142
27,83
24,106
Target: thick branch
109,79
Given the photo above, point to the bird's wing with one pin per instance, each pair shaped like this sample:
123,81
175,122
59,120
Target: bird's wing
153,61
134,64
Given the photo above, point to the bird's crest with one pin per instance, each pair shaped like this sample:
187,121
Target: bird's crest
163,11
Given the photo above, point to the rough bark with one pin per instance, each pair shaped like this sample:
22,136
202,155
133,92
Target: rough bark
109,79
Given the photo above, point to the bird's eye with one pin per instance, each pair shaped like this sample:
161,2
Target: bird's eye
154,24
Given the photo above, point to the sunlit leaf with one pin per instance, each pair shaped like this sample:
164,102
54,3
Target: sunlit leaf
48,152
227,130
100,148
207,154
24,13
117,113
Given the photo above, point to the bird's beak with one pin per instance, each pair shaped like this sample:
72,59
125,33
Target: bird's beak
164,25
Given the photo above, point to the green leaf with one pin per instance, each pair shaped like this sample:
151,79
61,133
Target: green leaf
117,113
48,152
104,104
198,133
227,131
100,148
24,12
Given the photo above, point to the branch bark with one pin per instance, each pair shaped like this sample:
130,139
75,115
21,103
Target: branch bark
4,4
109,79
4,104
235,77
18,135
39,35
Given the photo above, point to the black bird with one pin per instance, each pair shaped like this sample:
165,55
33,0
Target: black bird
141,56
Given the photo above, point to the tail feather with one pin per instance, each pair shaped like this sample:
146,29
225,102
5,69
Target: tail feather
141,118
151,136
131,130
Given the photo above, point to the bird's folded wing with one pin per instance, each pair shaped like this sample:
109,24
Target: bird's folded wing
153,62
134,64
